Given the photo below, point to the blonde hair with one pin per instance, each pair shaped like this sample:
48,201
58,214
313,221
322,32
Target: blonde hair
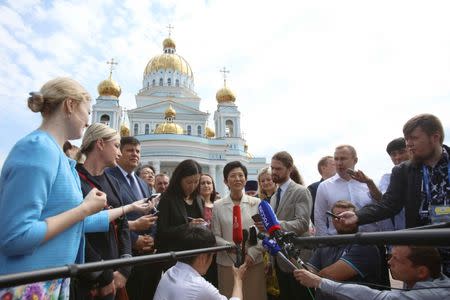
94,133
261,194
54,92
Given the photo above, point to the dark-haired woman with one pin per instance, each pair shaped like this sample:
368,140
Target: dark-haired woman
178,207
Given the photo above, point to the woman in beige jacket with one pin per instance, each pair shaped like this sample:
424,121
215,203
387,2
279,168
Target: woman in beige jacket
254,285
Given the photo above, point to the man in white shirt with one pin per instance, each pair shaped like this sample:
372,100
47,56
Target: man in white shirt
347,184
185,281
398,153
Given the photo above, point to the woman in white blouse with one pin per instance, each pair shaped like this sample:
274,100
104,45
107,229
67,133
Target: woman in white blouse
254,285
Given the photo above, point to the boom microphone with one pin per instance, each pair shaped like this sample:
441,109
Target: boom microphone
237,234
272,247
269,219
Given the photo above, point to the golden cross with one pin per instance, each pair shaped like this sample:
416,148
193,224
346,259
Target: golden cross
170,27
111,68
225,71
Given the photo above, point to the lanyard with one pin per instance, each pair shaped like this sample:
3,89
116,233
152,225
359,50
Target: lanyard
426,183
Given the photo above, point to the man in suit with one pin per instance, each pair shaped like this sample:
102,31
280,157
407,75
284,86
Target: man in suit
143,281
292,205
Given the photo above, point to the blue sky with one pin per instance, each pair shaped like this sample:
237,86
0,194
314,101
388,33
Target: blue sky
308,75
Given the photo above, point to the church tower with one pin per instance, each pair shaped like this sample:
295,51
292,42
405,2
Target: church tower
107,110
227,117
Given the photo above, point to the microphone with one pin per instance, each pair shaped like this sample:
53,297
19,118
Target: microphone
252,241
237,234
272,247
269,219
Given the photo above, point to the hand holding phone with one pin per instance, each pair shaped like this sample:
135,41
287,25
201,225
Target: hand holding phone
350,172
332,215
153,196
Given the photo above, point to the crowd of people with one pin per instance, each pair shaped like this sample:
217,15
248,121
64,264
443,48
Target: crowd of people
61,204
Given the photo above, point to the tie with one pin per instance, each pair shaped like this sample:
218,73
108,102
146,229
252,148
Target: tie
134,186
278,199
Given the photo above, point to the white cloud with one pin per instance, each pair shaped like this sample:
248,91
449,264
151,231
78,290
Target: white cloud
307,75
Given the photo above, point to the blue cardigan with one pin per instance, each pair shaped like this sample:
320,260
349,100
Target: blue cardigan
38,181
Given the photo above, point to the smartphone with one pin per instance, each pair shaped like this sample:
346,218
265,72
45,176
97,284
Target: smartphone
332,215
256,218
350,172
155,213
152,197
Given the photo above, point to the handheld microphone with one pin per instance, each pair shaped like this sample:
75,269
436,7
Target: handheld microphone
252,241
272,247
269,219
237,234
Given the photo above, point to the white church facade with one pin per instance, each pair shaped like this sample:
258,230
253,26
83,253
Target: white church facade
169,124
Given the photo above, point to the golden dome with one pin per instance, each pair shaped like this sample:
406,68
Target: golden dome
168,60
124,131
168,43
109,87
210,133
169,128
225,95
170,112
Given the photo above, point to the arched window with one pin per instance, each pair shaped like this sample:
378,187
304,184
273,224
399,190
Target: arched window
105,119
189,130
169,82
136,129
229,130
153,82
199,130
160,82
177,82
147,129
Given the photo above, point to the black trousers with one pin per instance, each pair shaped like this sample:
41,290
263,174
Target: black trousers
143,281
291,289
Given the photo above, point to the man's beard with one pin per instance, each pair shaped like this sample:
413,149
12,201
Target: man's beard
278,179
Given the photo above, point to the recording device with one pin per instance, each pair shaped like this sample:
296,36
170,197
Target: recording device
252,239
273,227
245,235
272,247
332,215
256,218
153,196
237,234
350,172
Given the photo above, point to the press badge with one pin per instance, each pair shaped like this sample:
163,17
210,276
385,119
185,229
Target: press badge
439,213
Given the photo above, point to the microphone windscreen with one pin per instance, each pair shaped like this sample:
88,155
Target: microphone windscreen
237,225
268,217
252,240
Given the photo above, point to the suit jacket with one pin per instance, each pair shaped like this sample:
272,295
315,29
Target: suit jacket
128,197
172,217
294,211
222,226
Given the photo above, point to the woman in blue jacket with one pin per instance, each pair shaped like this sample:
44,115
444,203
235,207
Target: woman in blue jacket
43,216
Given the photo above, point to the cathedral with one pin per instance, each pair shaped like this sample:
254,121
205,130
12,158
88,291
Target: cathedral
168,121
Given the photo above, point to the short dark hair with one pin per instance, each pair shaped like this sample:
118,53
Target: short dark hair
184,169
396,144
428,257
427,122
285,158
193,237
128,140
350,148
323,162
232,165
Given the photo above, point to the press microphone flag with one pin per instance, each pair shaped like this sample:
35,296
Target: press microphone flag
268,217
237,233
